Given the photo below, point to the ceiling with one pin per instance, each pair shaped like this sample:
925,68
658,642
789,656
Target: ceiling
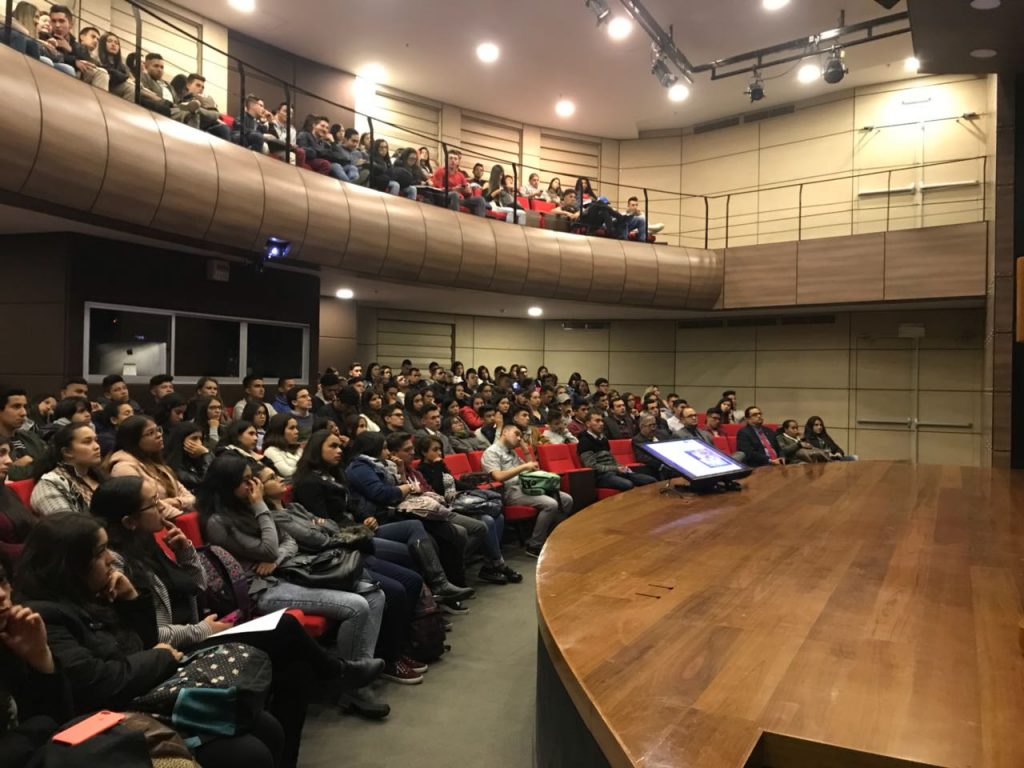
946,31
552,49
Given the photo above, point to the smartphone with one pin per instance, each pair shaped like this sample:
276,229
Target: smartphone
231,618
91,726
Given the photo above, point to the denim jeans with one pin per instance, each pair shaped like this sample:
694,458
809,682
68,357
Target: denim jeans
401,591
623,482
360,615
549,511
476,204
351,172
639,223
338,172
410,192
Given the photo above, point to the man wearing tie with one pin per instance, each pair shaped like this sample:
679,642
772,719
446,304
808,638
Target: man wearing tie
757,444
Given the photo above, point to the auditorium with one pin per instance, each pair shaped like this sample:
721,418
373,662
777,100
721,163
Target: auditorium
548,384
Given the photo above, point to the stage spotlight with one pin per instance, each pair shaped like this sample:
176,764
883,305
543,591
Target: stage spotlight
835,69
661,71
276,248
600,9
756,88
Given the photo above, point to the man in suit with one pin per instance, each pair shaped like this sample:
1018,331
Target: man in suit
595,453
647,425
690,429
758,444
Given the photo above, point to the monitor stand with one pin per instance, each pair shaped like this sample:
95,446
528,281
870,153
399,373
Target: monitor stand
701,487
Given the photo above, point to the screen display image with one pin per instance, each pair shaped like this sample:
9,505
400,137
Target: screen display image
697,461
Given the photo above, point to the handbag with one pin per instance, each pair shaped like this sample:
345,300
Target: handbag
335,568
217,691
355,537
539,482
138,741
478,502
426,505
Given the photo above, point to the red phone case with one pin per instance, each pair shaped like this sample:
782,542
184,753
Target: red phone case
89,727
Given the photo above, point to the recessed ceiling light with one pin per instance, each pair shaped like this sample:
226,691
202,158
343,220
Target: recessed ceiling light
984,53
535,311
373,73
245,6
345,293
985,5
912,64
774,5
565,108
678,92
487,53
619,28
808,73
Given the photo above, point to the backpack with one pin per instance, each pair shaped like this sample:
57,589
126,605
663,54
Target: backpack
539,483
427,642
227,587
478,502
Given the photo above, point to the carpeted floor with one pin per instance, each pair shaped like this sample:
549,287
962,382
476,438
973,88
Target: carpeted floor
475,707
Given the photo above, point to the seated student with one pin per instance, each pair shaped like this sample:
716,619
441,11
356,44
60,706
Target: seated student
207,116
620,424
139,453
381,171
795,450
652,405
74,53
35,698
235,516
40,410
557,432
15,520
469,409
401,586
70,410
535,409
444,484
461,438
249,127
594,452
456,186
209,415
102,632
69,473
647,432
26,444
725,407
567,208
690,429
371,404
316,141
282,446
350,156
634,221
816,434
170,411
501,194
532,190
254,393
187,455
430,426
257,415
160,386
488,432
758,444
425,164
207,386
531,436
281,399
554,192
580,414
319,488
115,390
478,182
713,422
122,82
299,663
300,406
408,174
504,466
164,96
239,438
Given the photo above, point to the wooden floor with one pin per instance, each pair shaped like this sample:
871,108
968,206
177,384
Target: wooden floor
872,606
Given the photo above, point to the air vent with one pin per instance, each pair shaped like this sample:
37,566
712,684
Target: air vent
756,322
809,320
584,325
717,125
764,114
709,323
751,322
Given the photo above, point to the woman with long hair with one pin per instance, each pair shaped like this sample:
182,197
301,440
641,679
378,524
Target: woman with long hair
15,520
170,410
113,415
187,455
554,191
257,415
281,446
381,170
485,375
235,515
132,522
108,53
210,418
69,474
139,452
102,632
372,403
425,164
816,434
501,194
725,406
239,437
414,402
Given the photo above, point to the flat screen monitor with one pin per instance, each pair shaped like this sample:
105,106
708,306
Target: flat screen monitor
697,461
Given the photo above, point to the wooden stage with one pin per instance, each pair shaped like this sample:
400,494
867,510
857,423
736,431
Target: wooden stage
847,614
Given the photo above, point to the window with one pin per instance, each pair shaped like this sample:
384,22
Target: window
138,343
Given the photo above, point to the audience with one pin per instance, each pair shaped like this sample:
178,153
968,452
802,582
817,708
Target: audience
139,452
817,436
759,445
456,186
26,446
15,520
187,455
594,452
69,473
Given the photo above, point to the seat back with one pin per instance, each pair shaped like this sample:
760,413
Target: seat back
189,524
475,461
23,490
722,443
556,458
731,429
458,464
542,205
622,450
702,420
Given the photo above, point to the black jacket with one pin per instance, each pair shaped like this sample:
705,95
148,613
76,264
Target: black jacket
318,149
43,701
595,453
749,443
106,663
323,497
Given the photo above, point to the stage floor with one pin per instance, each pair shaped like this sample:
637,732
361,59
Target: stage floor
868,606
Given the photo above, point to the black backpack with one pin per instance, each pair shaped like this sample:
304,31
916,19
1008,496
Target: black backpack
427,642
227,587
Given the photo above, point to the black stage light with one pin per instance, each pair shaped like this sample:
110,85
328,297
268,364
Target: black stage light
835,69
756,89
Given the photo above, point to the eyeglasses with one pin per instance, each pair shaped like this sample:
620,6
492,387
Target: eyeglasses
154,503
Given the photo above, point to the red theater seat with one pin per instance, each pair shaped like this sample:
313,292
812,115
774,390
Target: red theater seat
622,450
23,490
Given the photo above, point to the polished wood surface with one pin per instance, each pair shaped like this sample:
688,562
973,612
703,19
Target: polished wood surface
869,606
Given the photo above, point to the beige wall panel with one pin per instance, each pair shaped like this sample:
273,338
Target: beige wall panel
728,141
817,336
653,153
329,220
336,352
191,180
660,180
239,212
760,276
558,339
511,263
71,117
840,270
811,368
826,210
873,405
286,214
643,335
368,239
778,215
721,174
725,368
955,139
945,261
963,409
881,445
691,223
544,262
926,100
674,279
951,328
712,339
703,398
591,365
443,253
641,366
491,358
884,148
809,123
134,179
943,369
948,448
478,256
641,281
832,405
786,162
577,270
407,239
337,318
883,369
490,332
23,117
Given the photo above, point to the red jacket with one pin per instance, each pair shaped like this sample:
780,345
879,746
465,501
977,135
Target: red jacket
473,421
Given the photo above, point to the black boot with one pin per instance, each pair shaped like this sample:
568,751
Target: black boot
444,591
363,701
